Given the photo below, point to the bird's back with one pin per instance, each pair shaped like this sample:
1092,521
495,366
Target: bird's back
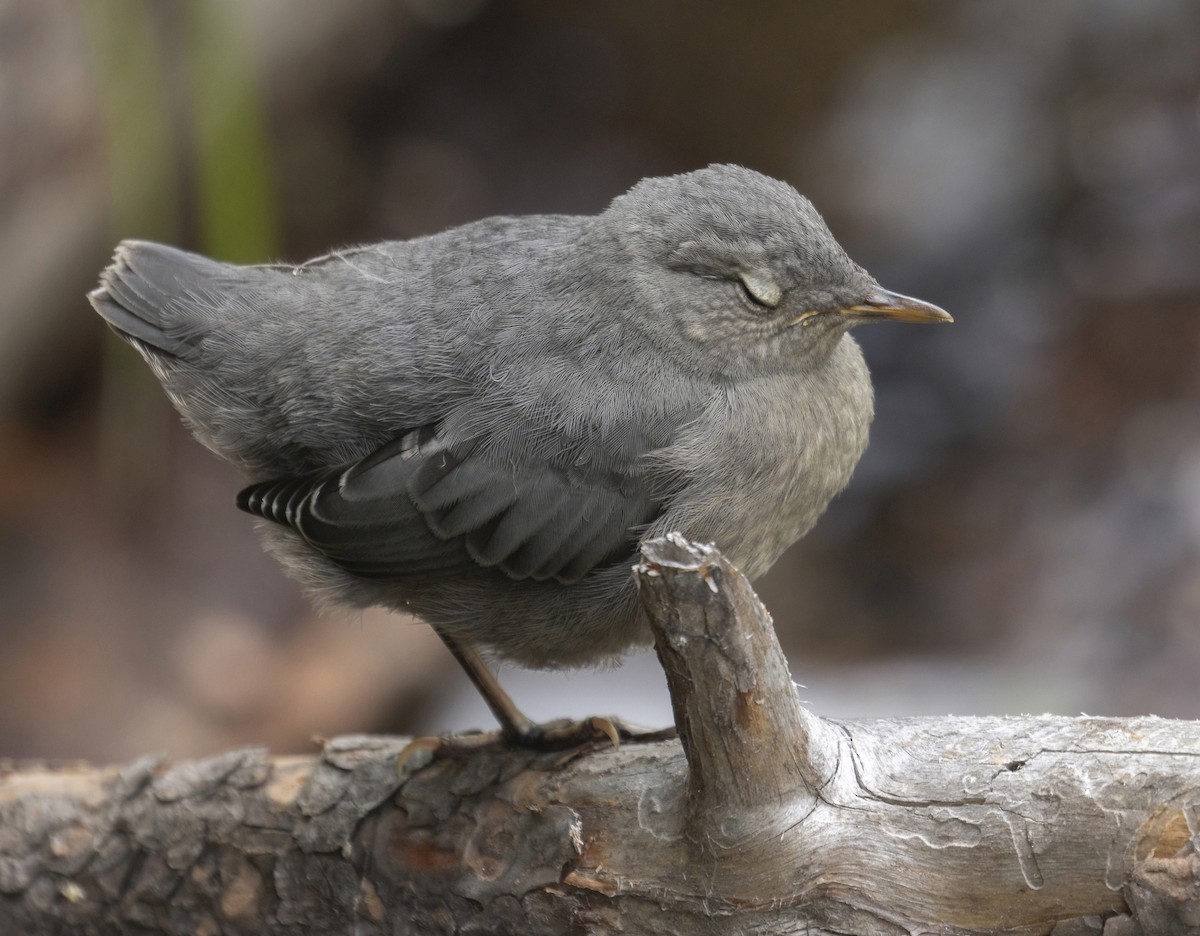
284,369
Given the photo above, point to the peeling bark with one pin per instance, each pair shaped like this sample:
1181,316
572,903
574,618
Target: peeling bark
763,818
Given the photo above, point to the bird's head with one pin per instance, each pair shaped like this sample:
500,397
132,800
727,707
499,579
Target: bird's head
743,266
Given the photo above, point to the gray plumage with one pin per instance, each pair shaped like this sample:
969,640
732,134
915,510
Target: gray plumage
480,425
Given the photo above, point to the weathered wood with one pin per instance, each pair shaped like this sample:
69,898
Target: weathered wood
749,743
765,819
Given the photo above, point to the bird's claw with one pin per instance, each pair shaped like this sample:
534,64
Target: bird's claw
562,734
559,735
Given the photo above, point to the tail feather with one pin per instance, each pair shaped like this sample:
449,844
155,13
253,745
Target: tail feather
136,291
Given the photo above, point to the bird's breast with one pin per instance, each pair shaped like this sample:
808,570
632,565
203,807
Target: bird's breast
769,455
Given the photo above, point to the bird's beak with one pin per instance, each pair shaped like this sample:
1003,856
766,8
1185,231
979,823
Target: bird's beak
889,306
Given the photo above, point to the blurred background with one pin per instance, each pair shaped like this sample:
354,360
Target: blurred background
1022,536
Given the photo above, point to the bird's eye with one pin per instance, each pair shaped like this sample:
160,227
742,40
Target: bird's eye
761,290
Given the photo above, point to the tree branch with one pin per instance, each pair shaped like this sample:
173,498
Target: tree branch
765,819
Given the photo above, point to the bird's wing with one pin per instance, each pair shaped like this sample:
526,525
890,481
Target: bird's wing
418,509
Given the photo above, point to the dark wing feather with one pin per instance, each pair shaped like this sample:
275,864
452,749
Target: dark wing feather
417,510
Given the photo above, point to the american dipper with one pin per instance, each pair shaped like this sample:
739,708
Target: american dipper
480,426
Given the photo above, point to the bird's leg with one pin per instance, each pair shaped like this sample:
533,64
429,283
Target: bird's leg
513,722
518,728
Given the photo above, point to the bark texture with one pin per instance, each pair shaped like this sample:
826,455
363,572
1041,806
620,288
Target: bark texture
762,819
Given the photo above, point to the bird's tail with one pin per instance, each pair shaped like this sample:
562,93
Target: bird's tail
144,292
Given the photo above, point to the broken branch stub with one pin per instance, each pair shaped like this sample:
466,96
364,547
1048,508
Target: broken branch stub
750,746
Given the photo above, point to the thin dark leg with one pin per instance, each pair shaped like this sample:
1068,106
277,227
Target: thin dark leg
520,729
515,723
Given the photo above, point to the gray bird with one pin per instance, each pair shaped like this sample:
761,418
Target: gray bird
480,426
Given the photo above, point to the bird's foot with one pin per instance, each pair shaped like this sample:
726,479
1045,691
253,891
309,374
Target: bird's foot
562,734
559,735
519,729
